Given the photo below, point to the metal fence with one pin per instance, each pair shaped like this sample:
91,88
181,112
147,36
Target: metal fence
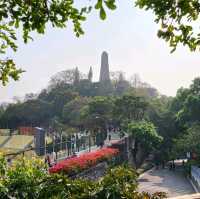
62,147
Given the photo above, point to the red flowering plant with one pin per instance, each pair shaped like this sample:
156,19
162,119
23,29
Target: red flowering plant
84,161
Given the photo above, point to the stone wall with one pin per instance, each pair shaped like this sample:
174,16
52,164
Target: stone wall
124,147
93,173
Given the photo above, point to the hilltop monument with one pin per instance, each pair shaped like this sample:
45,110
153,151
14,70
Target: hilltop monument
104,79
104,72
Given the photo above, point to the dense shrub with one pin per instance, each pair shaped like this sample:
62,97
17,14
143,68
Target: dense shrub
30,180
84,161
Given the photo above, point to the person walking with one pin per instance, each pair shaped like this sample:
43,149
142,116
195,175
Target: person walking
109,137
48,160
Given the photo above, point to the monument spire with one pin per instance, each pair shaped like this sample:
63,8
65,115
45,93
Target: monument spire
104,72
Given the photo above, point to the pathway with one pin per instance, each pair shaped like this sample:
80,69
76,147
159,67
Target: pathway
174,183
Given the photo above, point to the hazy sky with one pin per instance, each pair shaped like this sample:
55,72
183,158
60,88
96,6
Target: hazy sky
128,35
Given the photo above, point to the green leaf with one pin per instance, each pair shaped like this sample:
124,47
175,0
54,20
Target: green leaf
102,14
98,4
111,5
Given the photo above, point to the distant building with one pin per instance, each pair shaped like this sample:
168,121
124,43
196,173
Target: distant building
105,86
26,130
104,72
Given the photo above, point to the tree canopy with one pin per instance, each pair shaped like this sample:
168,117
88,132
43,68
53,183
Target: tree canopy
98,113
130,107
145,133
67,98
181,126
145,137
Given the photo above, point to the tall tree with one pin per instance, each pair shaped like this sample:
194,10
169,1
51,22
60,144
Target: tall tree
162,111
145,137
98,113
186,104
33,112
188,142
119,82
130,107
72,111
62,78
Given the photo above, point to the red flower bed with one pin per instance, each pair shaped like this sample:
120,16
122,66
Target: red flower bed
83,161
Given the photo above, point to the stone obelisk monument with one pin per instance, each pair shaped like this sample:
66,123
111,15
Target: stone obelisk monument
104,72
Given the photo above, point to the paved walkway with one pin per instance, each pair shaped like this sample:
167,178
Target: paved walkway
174,183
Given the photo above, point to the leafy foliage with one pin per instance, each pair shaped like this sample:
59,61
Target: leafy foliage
21,180
177,21
189,142
119,184
162,114
187,102
130,107
7,39
145,136
31,112
72,111
145,133
184,111
8,70
98,112
29,179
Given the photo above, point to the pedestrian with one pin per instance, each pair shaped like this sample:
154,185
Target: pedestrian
170,166
173,166
77,143
109,137
48,160
101,144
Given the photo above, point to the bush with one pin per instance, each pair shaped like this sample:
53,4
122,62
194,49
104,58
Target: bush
85,161
30,180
